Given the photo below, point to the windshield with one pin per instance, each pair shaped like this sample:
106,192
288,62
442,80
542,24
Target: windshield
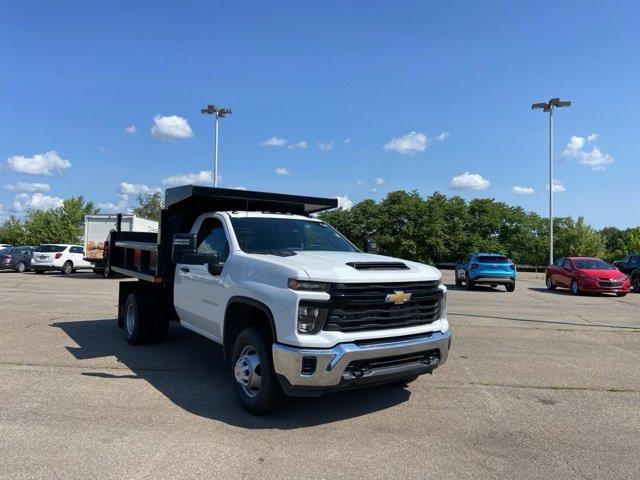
50,248
264,235
592,264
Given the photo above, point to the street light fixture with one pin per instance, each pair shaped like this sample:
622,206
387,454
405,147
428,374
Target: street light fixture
219,112
548,107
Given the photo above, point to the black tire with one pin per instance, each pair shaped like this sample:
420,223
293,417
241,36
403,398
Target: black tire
38,272
403,382
21,267
137,312
635,283
511,287
575,287
621,294
149,321
550,285
458,281
468,283
67,268
267,396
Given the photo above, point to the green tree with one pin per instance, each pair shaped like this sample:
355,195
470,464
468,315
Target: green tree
13,232
58,225
149,205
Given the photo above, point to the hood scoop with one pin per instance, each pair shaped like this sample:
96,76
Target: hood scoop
378,265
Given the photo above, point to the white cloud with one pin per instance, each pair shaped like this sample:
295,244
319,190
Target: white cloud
347,141
361,183
374,190
36,201
282,171
298,145
136,188
131,130
326,146
274,142
48,164
470,181
442,136
170,127
27,187
595,159
522,190
344,202
557,187
239,187
103,149
203,177
119,207
408,144
379,181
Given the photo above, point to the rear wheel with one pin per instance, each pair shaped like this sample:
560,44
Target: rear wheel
635,283
575,288
67,268
252,367
145,319
21,267
550,285
511,287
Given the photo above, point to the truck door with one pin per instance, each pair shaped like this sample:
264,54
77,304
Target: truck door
197,290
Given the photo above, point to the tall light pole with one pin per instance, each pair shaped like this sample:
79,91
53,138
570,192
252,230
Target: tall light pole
548,107
219,112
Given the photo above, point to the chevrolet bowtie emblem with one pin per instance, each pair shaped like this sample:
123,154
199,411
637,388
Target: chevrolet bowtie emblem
398,297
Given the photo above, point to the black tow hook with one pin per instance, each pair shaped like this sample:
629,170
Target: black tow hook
431,360
358,372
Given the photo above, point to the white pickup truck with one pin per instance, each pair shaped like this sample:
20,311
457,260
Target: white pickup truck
297,308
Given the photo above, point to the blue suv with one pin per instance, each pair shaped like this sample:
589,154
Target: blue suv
488,269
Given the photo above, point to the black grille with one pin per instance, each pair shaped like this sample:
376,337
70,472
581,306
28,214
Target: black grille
609,284
360,306
357,367
378,265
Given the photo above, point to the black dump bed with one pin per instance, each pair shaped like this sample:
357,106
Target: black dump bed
148,255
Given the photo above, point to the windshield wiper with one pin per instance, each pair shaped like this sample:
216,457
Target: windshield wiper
279,253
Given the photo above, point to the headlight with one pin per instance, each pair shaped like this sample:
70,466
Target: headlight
308,286
311,318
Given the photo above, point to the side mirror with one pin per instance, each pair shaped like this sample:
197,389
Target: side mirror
567,268
195,258
183,243
370,246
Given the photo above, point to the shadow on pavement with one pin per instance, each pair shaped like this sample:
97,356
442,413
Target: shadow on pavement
477,288
190,371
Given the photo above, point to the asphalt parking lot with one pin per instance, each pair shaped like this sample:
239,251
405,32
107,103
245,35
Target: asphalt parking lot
538,385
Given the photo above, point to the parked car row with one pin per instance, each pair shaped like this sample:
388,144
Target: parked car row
61,257
578,274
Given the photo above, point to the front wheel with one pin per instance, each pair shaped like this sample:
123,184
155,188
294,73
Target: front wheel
575,288
550,285
255,381
21,267
511,287
468,283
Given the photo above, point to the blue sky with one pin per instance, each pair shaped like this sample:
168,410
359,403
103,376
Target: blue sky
351,76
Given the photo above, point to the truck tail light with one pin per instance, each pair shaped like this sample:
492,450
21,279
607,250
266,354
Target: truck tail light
57,255
474,266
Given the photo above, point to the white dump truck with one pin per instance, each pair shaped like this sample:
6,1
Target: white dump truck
298,309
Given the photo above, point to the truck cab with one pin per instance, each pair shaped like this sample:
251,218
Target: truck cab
298,309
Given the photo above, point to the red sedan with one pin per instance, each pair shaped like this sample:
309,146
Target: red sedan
584,274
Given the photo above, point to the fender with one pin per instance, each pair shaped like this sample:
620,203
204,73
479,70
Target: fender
253,303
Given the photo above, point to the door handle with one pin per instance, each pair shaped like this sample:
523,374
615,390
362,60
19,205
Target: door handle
184,269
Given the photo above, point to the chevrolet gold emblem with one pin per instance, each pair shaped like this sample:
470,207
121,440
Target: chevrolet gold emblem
398,297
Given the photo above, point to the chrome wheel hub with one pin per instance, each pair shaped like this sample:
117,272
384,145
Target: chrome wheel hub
248,372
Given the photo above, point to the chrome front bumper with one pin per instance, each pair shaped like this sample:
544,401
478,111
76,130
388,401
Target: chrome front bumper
333,366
